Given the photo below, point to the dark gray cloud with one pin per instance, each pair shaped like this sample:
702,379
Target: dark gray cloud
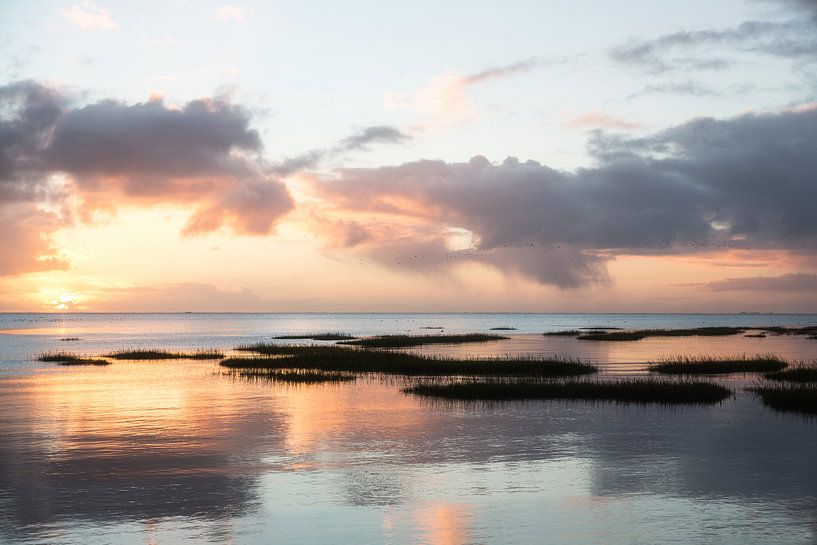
361,140
745,182
787,282
203,154
704,49
378,134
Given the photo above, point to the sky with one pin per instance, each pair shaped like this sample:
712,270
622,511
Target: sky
531,156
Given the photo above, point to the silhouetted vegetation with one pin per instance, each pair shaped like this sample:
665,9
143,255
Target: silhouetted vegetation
755,335
707,365
67,358
293,376
779,330
637,335
343,359
799,372
319,337
503,329
653,391
799,398
69,339
153,354
567,333
407,341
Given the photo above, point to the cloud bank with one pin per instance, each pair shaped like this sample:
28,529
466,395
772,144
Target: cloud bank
746,182
203,155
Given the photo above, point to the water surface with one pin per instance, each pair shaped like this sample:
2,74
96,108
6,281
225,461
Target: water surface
175,452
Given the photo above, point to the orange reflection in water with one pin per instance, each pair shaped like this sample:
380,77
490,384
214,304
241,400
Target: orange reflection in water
434,524
319,415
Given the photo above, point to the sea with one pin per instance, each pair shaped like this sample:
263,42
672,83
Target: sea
179,452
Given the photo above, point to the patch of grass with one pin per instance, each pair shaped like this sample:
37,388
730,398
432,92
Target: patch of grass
154,354
502,329
638,334
755,335
67,358
664,392
798,398
432,327
779,330
708,365
293,376
407,341
69,339
353,360
567,333
319,337
799,372
812,337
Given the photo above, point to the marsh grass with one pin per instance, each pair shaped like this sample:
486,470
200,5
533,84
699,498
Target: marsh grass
354,360
567,333
798,372
717,365
69,339
155,354
408,341
502,329
780,330
67,358
755,335
638,334
293,376
650,391
799,398
319,337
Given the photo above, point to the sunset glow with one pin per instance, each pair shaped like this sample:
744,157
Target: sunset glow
463,180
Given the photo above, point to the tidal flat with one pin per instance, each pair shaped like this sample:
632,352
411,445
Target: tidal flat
179,451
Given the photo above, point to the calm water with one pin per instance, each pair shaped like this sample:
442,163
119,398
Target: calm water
174,452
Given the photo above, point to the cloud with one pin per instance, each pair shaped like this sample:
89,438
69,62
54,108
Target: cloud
599,120
443,100
359,141
786,282
230,13
372,135
741,183
700,49
107,154
88,16
25,244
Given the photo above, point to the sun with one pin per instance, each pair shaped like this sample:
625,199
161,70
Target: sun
62,300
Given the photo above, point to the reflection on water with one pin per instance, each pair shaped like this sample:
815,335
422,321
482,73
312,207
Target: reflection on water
174,452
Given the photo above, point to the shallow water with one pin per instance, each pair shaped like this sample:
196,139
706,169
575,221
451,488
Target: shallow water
175,452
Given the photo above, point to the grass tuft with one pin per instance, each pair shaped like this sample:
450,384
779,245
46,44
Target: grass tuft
67,358
651,391
502,329
319,337
638,334
407,341
799,372
69,339
154,354
567,333
798,398
293,376
714,365
353,360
